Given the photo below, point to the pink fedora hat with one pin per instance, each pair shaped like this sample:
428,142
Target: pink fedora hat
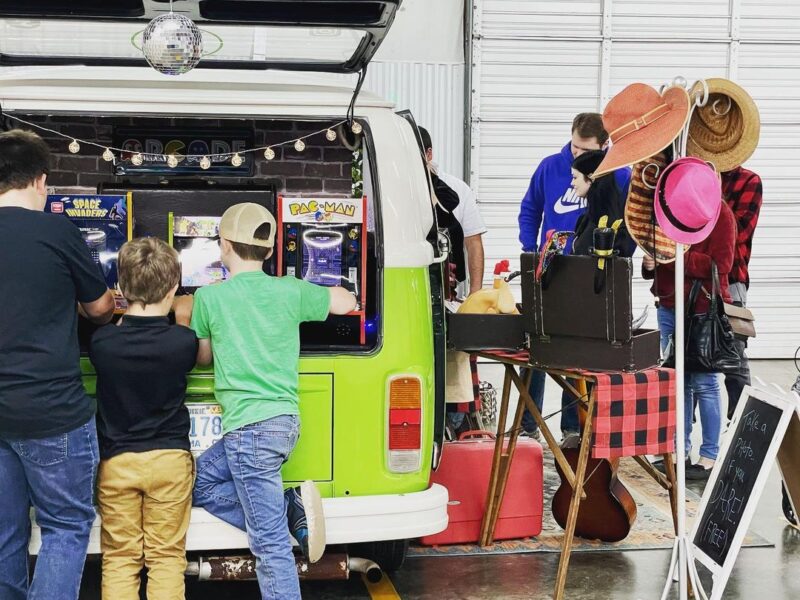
688,199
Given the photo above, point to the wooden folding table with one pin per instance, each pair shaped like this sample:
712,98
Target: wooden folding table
504,452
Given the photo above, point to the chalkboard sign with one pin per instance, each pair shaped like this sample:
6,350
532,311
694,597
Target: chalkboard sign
734,485
732,492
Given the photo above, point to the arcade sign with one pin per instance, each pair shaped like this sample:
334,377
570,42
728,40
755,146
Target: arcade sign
189,146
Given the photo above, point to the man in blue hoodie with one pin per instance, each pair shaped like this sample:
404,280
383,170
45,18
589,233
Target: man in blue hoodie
551,203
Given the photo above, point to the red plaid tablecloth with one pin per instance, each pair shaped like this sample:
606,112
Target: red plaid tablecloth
635,413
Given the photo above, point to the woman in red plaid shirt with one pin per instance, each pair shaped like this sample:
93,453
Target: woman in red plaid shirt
742,192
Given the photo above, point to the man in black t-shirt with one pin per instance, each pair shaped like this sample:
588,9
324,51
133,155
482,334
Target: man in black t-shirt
48,441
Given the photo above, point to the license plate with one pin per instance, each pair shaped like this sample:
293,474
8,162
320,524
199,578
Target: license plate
206,426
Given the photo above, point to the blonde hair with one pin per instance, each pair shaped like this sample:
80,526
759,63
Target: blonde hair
148,270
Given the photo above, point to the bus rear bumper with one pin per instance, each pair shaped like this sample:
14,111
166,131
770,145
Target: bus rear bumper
348,520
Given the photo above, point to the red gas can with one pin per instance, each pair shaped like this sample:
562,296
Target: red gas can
465,469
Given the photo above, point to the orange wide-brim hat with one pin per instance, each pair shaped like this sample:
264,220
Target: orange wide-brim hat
641,122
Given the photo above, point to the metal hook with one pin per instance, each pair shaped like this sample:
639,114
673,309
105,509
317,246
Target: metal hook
680,81
722,113
655,175
698,99
713,166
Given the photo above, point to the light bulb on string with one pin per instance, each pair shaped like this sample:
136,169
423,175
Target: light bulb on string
237,160
108,155
137,159
330,135
269,153
172,161
356,127
299,145
74,147
205,163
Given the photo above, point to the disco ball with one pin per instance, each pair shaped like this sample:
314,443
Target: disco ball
172,44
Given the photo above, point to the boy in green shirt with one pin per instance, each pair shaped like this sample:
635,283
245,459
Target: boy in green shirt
248,326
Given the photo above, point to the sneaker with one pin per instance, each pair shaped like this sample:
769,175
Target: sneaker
306,519
568,433
534,435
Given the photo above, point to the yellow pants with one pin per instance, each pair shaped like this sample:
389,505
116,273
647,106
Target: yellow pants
145,503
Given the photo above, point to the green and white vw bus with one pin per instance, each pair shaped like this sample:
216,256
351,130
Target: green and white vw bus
372,410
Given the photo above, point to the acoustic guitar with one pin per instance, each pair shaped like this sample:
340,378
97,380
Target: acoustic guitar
608,511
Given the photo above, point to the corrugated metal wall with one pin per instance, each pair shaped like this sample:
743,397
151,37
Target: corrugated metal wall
435,95
537,63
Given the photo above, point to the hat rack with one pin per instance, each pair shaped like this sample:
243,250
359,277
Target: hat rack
682,563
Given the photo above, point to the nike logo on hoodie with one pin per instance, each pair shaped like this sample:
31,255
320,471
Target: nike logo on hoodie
568,202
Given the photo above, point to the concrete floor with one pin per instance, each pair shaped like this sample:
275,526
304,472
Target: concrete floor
760,573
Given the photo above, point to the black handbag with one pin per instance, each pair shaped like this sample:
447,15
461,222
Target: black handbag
710,342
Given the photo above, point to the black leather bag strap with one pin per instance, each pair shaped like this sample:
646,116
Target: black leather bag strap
697,285
716,289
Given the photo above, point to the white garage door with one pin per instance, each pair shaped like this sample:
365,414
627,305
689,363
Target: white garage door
539,62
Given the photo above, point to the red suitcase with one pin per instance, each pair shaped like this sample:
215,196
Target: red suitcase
464,470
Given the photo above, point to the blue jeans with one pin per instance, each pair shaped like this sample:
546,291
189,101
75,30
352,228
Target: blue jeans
56,476
569,410
239,481
701,387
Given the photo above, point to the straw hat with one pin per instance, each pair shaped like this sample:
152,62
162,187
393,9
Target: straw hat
639,216
641,122
725,131
688,200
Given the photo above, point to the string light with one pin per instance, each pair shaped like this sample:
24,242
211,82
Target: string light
205,163
110,152
356,127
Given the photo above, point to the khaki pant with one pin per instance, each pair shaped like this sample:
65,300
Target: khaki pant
145,503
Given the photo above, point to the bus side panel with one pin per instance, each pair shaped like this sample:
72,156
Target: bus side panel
361,403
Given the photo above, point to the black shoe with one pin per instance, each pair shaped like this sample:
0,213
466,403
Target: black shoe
697,473
661,467
788,512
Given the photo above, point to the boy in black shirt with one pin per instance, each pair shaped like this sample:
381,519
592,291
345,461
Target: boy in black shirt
146,471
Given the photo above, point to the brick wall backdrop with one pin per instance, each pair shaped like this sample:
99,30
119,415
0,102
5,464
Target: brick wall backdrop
323,168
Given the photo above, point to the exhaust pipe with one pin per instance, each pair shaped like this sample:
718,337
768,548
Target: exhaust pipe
369,568
243,568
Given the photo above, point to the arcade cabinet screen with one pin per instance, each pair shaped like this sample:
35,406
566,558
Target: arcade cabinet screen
195,239
322,256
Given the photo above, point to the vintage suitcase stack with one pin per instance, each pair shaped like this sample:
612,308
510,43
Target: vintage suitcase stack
570,325
465,469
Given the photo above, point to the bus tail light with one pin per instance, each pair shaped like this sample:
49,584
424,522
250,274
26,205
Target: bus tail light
404,417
